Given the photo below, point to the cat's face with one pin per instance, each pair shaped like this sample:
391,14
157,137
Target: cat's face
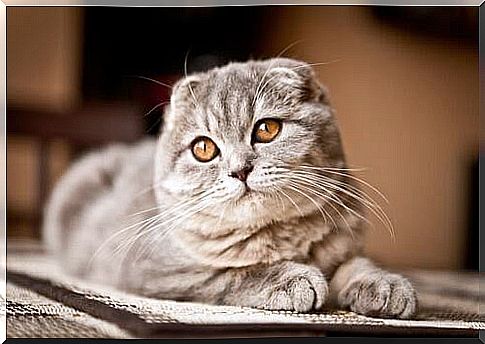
231,135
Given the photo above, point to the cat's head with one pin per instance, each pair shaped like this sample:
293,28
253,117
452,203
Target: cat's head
232,136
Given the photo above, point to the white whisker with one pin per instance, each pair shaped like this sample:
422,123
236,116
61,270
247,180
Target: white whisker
190,86
154,108
142,231
140,225
332,198
324,214
276,76
331,205
162,234
334,171
360,196
291,200
256,94
150,79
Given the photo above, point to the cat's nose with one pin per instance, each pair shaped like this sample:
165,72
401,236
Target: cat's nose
242,174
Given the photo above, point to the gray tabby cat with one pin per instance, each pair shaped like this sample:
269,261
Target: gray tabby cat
244,199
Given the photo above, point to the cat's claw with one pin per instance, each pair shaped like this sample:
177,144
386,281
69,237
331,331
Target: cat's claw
380,294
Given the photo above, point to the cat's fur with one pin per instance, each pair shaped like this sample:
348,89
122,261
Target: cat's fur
288,244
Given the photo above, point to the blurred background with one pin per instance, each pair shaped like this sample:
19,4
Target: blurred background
404,82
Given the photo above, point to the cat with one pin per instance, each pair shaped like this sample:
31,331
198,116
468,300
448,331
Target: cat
243,199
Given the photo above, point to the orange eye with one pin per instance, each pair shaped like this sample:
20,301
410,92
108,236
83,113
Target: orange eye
204,149
266,130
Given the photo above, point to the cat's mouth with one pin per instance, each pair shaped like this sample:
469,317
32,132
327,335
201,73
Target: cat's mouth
246,194
247,189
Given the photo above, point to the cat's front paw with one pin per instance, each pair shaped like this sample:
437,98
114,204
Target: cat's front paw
380,294
298,290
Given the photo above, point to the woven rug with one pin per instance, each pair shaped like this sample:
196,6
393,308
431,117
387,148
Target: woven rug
44,302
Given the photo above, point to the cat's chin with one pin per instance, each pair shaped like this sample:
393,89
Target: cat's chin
248,195
254,207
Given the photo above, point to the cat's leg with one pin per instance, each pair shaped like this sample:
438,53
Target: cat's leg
366,289
281,286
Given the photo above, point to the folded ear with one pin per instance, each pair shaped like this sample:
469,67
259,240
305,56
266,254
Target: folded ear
300,75
182,97
185,87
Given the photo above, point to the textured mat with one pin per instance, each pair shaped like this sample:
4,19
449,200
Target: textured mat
43,302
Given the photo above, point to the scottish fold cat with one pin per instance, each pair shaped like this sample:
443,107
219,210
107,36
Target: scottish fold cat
244,199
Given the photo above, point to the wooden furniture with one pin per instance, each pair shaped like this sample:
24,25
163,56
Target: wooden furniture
86,128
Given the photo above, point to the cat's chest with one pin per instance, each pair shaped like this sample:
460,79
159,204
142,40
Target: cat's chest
284,241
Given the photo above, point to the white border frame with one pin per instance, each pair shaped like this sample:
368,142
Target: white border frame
143,3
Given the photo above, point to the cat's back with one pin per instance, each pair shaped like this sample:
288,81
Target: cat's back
94,192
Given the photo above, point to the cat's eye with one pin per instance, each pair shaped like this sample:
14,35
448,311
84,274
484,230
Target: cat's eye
204,149
266,130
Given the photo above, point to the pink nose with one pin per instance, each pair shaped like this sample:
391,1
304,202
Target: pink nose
242,175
